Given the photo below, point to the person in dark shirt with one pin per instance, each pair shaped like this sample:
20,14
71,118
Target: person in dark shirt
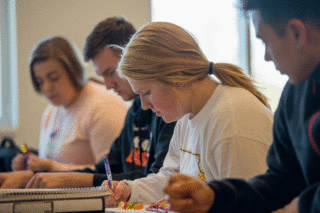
290,30
144,140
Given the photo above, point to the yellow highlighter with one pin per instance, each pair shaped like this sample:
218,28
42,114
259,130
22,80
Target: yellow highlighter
24,149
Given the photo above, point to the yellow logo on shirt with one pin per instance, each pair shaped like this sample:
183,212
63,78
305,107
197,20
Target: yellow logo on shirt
202,176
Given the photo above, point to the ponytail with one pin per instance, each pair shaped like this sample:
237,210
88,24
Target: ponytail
233,75
166,52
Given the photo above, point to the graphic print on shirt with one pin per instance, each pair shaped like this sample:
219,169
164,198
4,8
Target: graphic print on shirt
57,131
141,147
50,141
51,144
201,175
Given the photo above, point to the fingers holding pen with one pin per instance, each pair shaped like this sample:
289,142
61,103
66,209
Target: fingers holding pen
17,162
36,163
121,192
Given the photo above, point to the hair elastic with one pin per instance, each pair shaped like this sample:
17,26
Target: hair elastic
210,68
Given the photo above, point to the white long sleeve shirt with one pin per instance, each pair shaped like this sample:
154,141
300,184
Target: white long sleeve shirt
229,137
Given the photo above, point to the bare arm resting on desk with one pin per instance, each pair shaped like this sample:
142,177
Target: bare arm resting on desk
22,179
36,163
61,180
15,180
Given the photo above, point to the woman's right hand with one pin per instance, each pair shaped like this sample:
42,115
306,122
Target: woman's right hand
18,163
36,163
33,163
121,192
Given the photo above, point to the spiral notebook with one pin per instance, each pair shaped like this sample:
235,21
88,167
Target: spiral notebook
53,200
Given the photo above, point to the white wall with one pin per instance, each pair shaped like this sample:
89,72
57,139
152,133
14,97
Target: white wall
73,19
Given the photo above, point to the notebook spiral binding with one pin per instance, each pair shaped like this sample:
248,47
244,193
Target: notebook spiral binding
34,194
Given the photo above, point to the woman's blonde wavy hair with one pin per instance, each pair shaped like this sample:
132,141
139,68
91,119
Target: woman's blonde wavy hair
167,53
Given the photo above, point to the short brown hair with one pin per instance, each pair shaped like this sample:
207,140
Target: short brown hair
114,30
60,49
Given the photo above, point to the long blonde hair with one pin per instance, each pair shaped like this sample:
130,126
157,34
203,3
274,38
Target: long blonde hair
167,53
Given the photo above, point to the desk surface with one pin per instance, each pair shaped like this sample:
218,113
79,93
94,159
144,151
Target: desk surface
117,210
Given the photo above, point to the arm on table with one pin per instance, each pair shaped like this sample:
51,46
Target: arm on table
61,180
15,180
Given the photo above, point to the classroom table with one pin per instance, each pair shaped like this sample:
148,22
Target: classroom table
117,210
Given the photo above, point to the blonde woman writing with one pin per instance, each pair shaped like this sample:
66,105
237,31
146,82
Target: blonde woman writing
224,127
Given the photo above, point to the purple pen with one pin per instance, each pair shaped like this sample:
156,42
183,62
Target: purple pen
108,171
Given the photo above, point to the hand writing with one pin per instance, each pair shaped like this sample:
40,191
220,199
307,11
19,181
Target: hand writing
120,193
